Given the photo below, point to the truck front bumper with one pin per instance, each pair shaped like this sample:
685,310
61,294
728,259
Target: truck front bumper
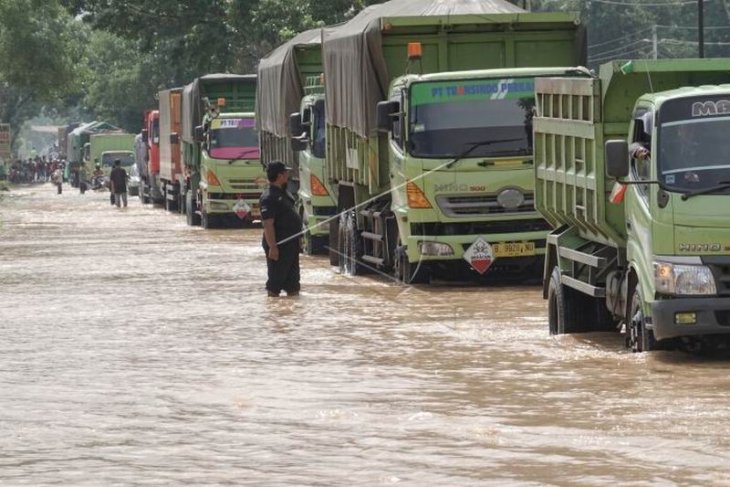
459,244
226,207
672,318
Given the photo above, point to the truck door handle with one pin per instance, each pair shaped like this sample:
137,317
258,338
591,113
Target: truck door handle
629,225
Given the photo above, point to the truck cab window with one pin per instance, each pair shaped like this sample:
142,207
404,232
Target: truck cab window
641,139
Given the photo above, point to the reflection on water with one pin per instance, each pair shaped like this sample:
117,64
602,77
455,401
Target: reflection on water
135,349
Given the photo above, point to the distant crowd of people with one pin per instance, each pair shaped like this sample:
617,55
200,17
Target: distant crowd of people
34,170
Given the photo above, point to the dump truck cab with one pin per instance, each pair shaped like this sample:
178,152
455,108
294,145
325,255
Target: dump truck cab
317,205
461,170
230,166
677,223
108,157
631,171
223,176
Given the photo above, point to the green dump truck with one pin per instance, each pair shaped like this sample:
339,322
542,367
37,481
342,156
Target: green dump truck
77,140
104,149
446,186
632,171
290,101
220,150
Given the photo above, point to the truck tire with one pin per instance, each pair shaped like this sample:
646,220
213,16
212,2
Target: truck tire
571,311
333,241
562,306
407,272
350,245
192,218
208,221
639,337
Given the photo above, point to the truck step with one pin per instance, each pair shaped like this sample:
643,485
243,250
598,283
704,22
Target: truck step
371,214
583,258
584,287
372,236
372,260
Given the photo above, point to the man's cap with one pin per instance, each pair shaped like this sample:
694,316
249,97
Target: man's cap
275,168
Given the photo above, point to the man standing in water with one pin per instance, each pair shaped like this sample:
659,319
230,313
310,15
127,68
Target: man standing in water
282,227
118,182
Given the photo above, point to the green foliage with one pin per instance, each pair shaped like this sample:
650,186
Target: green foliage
38,56
107,59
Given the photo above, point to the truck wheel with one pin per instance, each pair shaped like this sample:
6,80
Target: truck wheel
350,246
562,306
192,218
307,242
207,221
342,243
640,338
333,241
406,272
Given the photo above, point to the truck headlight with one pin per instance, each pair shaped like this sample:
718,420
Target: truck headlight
436,249
683,279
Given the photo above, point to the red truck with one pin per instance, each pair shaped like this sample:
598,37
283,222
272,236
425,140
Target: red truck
149,190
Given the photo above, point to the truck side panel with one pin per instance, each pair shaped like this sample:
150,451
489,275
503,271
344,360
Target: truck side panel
571,186
170,113
536,40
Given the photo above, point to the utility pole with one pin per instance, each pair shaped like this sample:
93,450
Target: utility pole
701,26
654,42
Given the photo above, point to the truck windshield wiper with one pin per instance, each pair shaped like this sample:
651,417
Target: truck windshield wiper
718,187
239,156
475,145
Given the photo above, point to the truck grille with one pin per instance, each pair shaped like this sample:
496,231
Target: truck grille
480,228
722,279
480,205
723,317
720,266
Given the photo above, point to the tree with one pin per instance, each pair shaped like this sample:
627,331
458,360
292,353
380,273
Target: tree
37,57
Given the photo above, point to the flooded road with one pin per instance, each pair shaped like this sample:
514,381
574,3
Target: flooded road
135,350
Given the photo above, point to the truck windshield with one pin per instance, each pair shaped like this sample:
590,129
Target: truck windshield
108,158
693,152
446,118
234,138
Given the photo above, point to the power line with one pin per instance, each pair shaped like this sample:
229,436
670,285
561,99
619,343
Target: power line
621,55
632,4
619,49
617,39
693,27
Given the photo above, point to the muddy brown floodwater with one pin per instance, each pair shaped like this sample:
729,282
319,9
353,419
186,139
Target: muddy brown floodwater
135,350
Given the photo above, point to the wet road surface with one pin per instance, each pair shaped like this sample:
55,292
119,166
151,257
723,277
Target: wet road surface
135,350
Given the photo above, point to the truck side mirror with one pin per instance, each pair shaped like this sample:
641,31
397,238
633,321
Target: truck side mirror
295,125
617,158
199,134
145,136
298,144
174,138
385,112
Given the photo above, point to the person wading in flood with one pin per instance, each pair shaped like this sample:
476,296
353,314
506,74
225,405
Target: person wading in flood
282,227
57,179
118,182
